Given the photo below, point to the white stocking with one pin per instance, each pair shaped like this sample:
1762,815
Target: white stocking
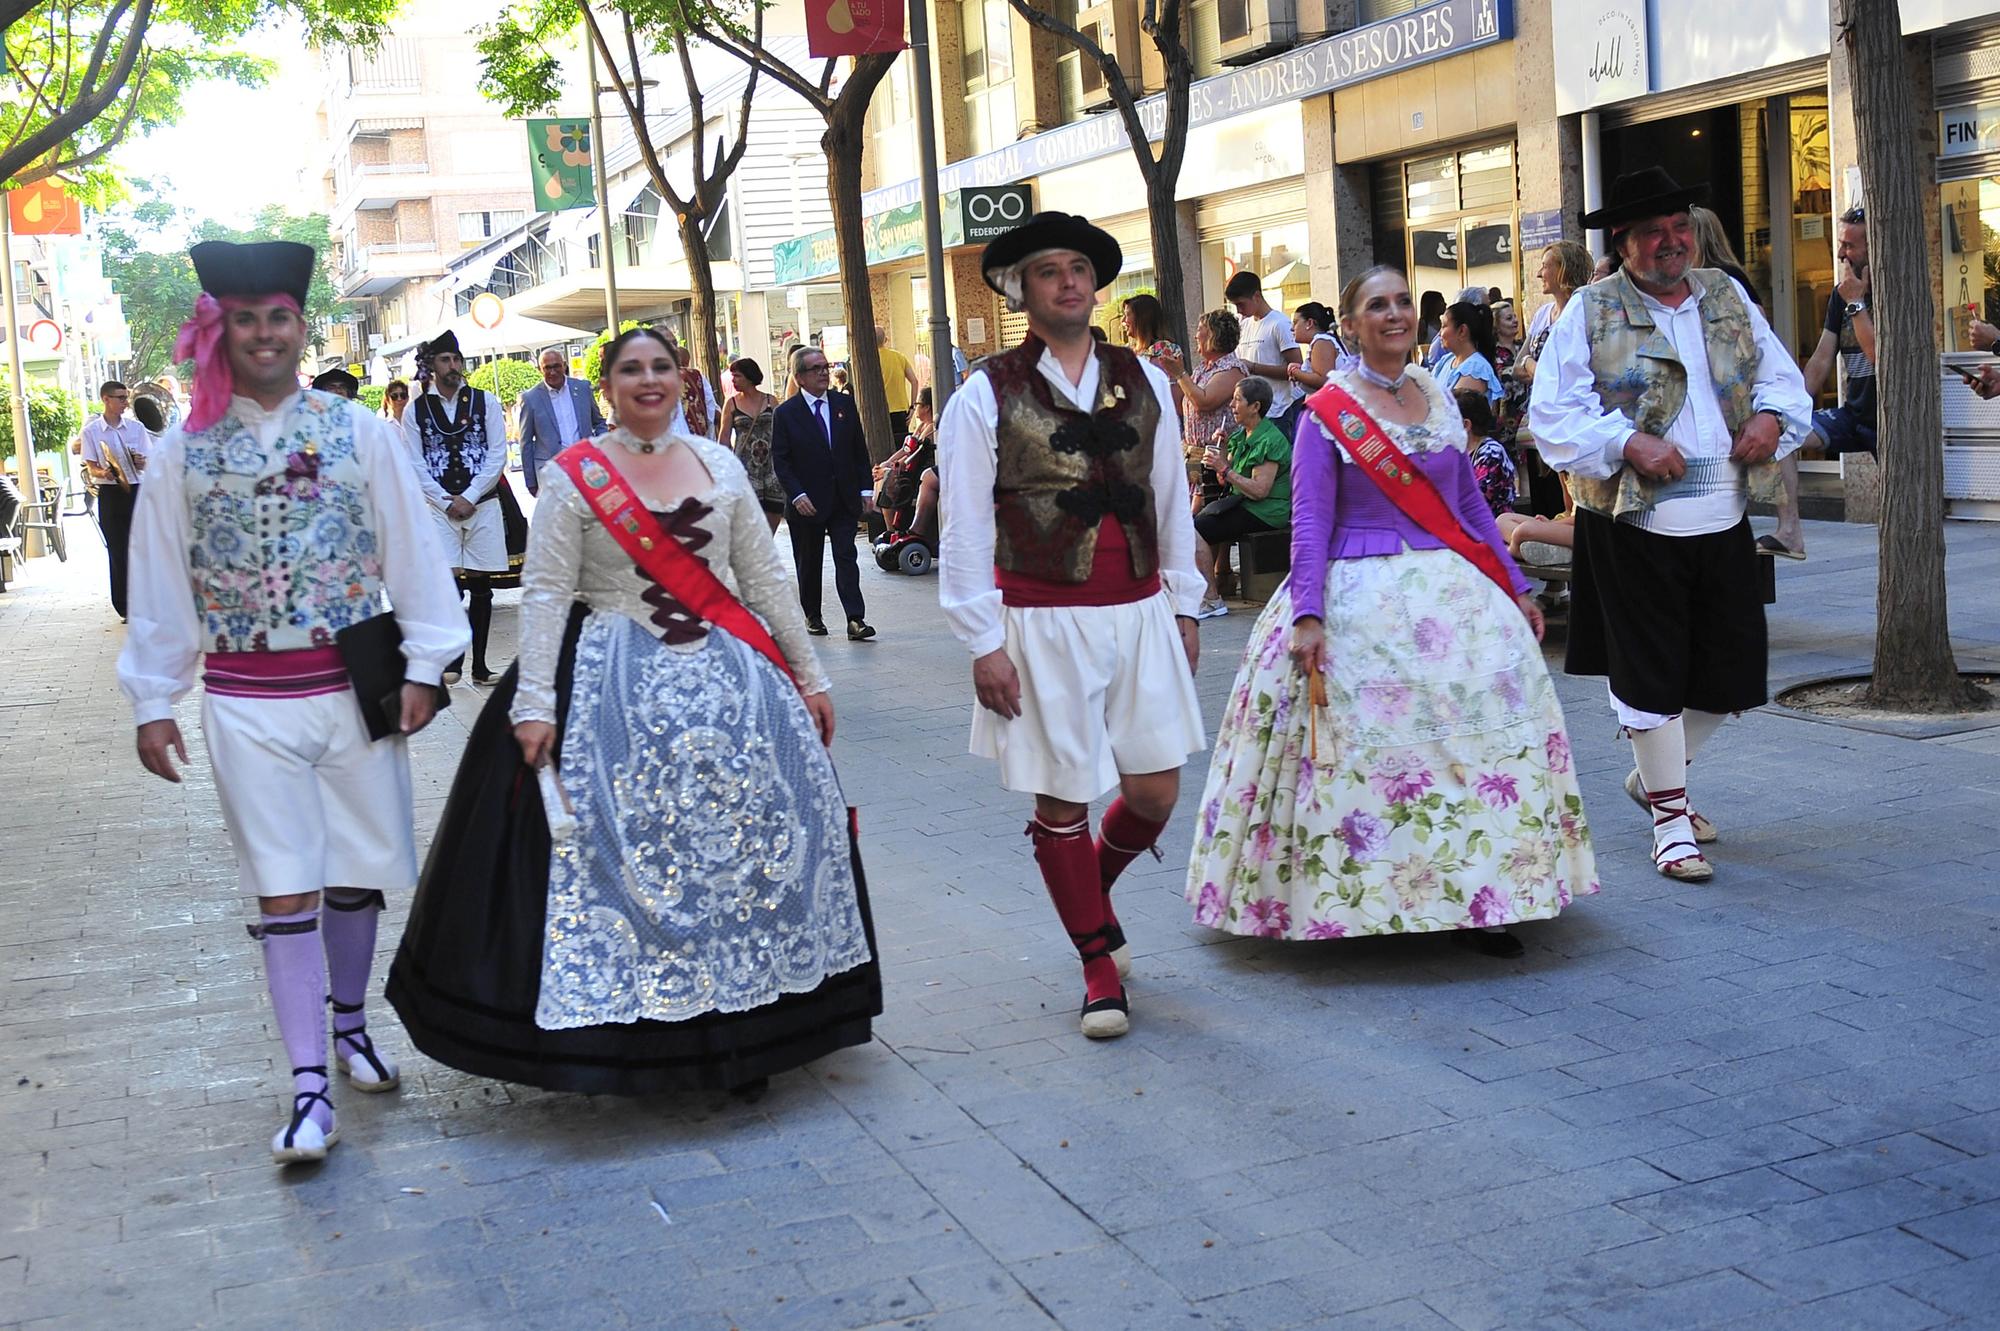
1663,754
1699,726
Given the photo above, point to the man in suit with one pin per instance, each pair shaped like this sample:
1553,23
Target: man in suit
554,414
822,461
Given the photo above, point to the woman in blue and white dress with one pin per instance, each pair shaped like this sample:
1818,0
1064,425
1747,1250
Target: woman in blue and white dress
704,924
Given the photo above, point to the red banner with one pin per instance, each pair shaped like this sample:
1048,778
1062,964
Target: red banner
43,209
854,27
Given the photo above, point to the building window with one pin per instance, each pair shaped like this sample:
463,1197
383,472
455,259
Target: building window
1460,212
988,66
1374,11
391,67
892,122
475,229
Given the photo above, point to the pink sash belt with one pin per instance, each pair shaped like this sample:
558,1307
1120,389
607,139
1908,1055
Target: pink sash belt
300,674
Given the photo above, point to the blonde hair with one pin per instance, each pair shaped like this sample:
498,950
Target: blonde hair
1573,263
1712,240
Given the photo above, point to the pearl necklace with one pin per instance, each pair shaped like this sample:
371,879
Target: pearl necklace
1394,387
632,443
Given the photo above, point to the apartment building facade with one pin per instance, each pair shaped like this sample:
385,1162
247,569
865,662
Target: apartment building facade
415,167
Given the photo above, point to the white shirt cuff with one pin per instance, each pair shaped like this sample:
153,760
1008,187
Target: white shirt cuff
148,710
422,672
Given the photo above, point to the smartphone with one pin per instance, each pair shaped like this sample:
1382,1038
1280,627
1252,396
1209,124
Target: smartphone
1970,376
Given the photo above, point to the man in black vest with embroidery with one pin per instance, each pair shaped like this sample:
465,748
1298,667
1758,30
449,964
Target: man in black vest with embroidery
1068,572
458,436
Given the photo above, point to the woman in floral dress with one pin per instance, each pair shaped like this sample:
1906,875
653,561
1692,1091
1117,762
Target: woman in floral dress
1438,792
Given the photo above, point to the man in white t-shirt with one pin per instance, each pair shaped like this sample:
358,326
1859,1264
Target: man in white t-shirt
1266,346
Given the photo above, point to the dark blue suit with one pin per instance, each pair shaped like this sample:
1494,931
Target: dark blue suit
832,474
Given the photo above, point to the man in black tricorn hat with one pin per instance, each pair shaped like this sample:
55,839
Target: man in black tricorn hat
458,436
1069,574
339,383
271,520
1666,398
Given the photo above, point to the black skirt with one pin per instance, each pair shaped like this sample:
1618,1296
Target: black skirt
468,973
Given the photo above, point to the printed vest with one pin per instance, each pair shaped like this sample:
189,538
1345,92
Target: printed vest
1061,472
452,454
1639,374
283,552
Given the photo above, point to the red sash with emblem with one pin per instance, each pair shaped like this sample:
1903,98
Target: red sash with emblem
685,577
1377,457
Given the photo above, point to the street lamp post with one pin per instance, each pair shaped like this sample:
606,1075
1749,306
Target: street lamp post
942,373
610,264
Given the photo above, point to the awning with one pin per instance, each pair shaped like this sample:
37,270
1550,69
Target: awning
383,124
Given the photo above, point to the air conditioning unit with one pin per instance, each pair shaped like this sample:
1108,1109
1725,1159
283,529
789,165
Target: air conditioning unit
1114,26
1253,29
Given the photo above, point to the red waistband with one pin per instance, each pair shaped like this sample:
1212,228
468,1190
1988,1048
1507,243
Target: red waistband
300,674
1111,581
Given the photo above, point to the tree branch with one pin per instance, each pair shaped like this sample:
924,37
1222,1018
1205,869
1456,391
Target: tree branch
56,164
751,51
95,99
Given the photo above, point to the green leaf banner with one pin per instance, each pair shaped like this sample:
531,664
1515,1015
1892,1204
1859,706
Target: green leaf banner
559,163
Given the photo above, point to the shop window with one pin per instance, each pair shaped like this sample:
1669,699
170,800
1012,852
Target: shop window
1456,212
1971,256
1278,256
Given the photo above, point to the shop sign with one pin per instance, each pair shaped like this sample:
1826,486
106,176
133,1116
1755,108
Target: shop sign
1964,130
1601,53
1488,246
1540,230
1430,32
968,217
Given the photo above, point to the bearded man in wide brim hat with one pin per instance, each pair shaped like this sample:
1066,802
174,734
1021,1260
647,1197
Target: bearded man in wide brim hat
1666,398
1068,572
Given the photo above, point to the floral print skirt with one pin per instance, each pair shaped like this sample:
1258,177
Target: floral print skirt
1439,791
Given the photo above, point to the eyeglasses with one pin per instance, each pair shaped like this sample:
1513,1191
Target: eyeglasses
399,397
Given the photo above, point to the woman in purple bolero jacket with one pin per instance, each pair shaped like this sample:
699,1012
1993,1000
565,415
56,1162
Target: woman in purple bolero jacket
1436,790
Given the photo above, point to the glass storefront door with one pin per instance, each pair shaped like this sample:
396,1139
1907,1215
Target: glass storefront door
1460,213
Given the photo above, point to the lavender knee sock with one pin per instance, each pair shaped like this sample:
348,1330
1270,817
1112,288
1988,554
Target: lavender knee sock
349,927
295,970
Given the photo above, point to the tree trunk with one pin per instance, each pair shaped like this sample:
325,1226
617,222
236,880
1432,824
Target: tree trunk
1163,218
702,345
843,143
1914,667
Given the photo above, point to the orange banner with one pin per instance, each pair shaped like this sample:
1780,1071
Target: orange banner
853,27
44,209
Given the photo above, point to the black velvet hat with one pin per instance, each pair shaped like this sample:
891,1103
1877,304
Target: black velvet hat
445,341
1051,231
262,268
338,381
1637,195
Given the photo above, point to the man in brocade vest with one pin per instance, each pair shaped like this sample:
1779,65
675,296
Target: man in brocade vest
1069,574
1666,398
458,436
272,519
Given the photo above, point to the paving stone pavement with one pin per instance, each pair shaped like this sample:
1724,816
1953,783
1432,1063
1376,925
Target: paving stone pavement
1771,1102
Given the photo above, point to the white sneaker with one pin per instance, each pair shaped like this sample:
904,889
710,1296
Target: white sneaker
1212,608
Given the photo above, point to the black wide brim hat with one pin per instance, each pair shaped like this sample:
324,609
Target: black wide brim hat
261,268
1052,231
1638,195
336,380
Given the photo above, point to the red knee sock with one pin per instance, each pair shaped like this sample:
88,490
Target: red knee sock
1069,868
1123,837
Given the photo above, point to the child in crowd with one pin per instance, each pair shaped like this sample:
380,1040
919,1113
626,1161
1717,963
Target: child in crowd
1491,462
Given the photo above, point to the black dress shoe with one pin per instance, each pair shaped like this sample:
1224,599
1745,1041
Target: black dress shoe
859,631
816,627
1503,945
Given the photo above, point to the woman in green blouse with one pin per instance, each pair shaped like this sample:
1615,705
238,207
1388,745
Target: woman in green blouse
1255,462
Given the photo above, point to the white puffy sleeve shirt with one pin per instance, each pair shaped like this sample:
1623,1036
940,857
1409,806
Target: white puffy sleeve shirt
968,461
163,644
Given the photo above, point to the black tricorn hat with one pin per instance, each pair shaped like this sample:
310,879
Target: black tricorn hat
261,268
1637,195
445,341
1052,231
337,381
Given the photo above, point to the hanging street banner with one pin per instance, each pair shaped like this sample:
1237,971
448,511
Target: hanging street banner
969,217
44,209
559,164
853,27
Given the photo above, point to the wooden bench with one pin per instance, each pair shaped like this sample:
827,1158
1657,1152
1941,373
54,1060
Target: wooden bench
1262,561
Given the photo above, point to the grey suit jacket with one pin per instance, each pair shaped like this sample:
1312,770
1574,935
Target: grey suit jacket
537,430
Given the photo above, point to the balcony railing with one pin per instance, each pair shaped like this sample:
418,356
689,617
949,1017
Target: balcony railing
390,168
360,256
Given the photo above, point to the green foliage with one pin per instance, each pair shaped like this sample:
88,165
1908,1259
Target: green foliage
54,417
95,71
593,359
520,54
159,290
507,379
370,396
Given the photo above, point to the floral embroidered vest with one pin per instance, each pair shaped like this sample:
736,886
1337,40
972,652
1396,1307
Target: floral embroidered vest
1638,373
283,552
1061,472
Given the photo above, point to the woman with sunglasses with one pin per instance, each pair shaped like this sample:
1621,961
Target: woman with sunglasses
396,400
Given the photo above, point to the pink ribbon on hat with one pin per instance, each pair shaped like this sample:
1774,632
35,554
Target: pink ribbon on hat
200,340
